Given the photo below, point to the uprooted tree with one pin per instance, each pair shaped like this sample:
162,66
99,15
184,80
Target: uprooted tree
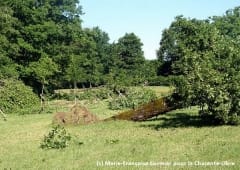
149,110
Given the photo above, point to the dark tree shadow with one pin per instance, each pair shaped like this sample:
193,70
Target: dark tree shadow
178,120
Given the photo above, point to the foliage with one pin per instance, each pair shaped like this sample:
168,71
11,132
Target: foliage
229,23
97,56
75,72
39,29
206,64
127,63
130,52
87,58
64,96
132,98
42,42
42,69
7,47
15,96
8,68
160,81
149,71
35,34
99,93
57,138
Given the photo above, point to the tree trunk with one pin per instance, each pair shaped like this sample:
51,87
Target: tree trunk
3,115
149,110
83,86
42,98
90,85
74,92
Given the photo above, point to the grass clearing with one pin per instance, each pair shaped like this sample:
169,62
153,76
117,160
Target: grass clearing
161,90
157,140
178,136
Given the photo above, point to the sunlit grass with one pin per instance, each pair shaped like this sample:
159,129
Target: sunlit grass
178,136
154,140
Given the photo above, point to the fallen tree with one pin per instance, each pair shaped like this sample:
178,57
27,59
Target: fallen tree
149,110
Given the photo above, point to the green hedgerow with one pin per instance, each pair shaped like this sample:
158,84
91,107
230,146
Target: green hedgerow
15,95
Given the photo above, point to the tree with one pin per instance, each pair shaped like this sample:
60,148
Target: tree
205,62
75,72
41,71
149,72
182,34
130,51
228,24
97,55
43,28
7,45
129,58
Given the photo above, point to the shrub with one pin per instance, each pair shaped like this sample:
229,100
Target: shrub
159,81
216,93
98,93
88,94
57,138
219,106
132,98
118,103
15,96
64,96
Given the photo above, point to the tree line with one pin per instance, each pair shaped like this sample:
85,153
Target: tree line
43,42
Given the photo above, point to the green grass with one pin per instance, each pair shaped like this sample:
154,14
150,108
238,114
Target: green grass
178,136
161,90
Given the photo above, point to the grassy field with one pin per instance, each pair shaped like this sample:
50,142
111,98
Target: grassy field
177,137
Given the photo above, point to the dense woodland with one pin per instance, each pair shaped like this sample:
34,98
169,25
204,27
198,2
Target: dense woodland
44,47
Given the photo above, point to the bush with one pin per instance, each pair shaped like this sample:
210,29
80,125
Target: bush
218,105
65,96
88,94
98,93
217,96
15,96
118,103
132,98
159,81
57,138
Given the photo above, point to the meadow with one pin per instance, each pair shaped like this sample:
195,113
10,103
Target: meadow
46,53
176,140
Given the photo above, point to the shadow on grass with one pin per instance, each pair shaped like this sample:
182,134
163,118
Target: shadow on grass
178,120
